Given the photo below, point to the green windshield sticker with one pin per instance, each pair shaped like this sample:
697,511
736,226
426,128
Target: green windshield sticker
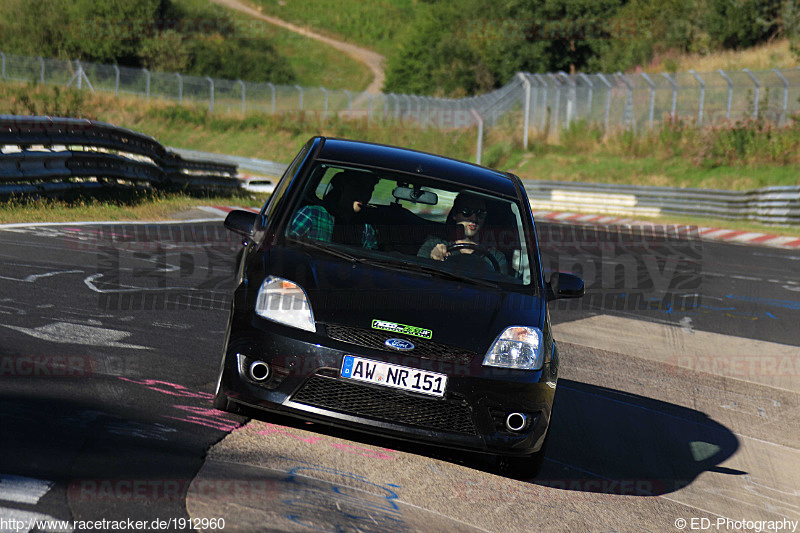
402,328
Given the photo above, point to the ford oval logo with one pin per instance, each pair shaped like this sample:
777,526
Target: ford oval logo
399,344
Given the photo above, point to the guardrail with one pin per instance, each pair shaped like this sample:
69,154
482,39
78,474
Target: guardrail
769,205
49,156
250,164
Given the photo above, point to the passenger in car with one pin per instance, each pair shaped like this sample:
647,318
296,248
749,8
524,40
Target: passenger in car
336,219
470,213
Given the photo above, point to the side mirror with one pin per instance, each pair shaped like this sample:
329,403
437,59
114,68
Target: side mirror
564,285
241,222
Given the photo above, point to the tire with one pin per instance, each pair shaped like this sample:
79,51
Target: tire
221,401
526,467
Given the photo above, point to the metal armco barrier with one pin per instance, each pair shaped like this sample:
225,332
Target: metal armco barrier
49,156
769,205
250,164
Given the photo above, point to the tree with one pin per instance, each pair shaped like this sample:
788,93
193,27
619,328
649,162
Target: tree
108,31
740,24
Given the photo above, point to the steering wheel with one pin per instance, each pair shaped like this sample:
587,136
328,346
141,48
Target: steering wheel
477,249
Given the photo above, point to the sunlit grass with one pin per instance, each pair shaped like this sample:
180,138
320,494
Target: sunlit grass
375,25
774,54
314,63
137,206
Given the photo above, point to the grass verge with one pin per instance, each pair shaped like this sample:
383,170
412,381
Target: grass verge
127,207
740,157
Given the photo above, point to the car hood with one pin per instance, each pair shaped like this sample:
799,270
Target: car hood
355,294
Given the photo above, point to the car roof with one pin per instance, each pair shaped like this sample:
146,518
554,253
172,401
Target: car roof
412,161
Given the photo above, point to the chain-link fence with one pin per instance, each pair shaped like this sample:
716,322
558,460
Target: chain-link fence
543,103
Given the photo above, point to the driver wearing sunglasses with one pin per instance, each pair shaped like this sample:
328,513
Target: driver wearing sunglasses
470,213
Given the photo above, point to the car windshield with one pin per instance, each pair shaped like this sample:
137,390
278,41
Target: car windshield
415,223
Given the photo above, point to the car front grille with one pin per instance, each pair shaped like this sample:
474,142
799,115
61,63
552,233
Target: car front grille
424,348
386,405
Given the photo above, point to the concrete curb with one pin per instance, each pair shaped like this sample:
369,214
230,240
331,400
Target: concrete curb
705,233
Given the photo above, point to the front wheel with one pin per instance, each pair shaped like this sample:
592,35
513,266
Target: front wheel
526,467
221,400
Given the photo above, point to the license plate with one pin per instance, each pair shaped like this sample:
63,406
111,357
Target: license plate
395,376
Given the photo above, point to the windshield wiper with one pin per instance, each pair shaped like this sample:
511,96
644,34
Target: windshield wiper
417,267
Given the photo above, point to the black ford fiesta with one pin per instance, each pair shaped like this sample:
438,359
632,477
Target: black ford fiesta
398,293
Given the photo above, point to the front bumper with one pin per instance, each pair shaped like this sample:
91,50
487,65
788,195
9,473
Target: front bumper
304,381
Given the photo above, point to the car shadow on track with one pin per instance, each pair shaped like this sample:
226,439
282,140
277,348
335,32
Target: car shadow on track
604,440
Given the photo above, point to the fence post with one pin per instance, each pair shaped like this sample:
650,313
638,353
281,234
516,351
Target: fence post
116,80
534,96
41,70
527,107
557,104
418,101
301,95
785,95
147,84
628,107
588,82
479,149
730,93
3,66
608,103
273,96
240,82
702,97
211,94
325,109
571,105
544,100
652,99
408,103
758,90
674,94
180,88
349,103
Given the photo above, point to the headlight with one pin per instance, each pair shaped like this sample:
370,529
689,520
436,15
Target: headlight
517,347
282,301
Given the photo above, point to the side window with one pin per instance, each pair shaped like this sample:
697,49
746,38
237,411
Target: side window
286,179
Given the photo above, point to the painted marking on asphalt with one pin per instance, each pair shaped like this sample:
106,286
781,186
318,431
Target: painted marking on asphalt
22,489
788,304
68,333
33,277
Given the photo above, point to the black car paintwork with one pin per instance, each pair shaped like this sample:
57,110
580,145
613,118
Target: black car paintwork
352,293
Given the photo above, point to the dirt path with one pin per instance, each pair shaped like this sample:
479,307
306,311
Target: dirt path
372,60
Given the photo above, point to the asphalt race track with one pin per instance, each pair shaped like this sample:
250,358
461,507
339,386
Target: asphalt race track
679,398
